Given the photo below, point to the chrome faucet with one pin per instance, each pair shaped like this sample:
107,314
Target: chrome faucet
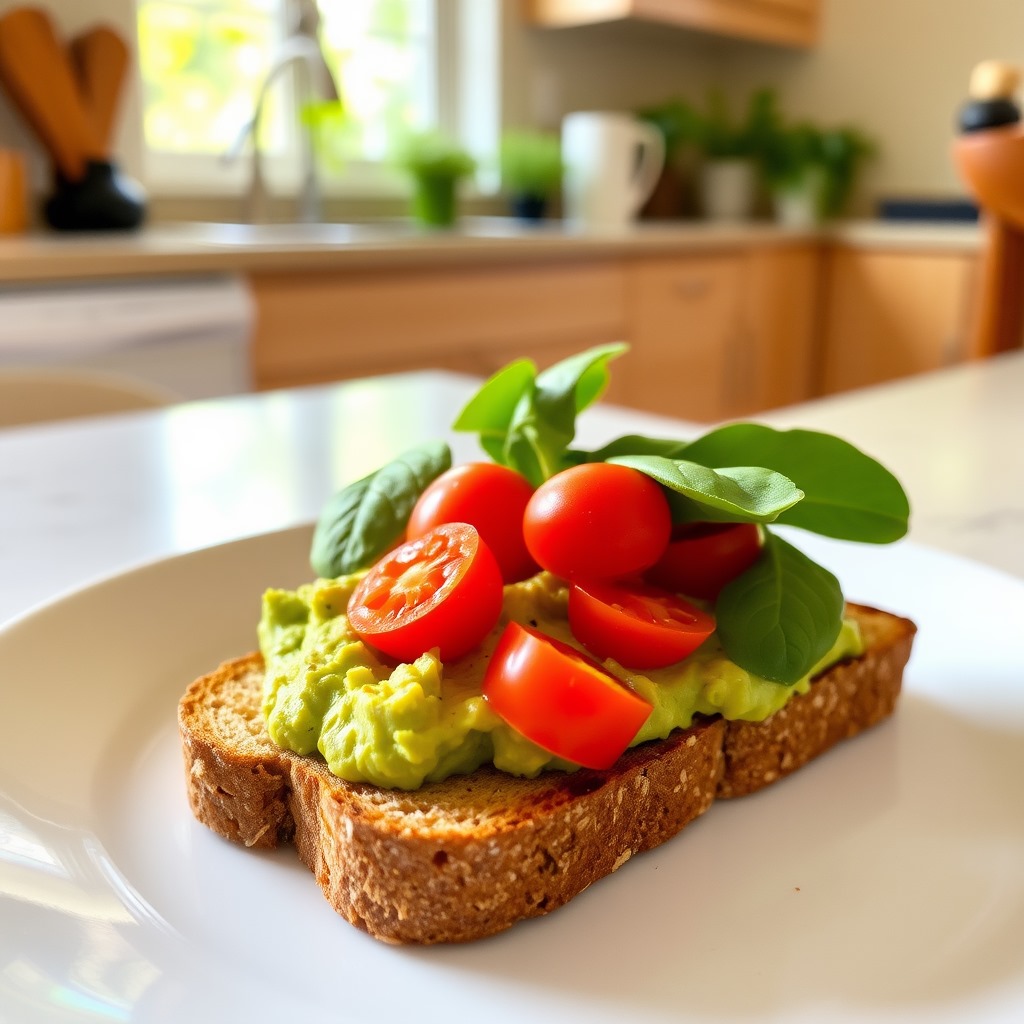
300,51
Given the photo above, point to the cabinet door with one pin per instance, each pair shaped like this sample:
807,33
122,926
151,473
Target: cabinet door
684,329
780,324
337,324
893,314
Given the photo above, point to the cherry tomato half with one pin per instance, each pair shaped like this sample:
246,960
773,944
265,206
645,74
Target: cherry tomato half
597,521
702,557
490,497
440,590
638,626
560,699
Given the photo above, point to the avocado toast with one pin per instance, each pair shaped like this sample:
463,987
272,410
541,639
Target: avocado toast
448,761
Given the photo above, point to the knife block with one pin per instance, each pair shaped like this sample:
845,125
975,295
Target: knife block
103,199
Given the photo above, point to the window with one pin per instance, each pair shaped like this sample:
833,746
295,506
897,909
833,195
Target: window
399,65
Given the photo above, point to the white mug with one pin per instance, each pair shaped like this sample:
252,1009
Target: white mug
612,163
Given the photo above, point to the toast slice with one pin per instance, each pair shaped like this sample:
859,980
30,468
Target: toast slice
472,855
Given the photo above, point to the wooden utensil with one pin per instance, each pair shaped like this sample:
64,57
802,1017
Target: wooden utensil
100,59
36,71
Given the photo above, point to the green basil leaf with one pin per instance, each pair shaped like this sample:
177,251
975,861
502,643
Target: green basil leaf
847,494
747,494
583,377
364,519
634,444
489,412
543,422
782,616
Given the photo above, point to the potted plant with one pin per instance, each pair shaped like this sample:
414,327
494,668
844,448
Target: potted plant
731,150
436,165
531,168
810,171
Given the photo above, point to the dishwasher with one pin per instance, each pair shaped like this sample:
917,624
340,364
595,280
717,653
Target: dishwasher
187,336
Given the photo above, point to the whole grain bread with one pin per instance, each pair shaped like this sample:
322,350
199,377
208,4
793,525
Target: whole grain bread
472,855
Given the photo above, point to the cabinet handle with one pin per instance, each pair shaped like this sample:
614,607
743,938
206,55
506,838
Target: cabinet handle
692,287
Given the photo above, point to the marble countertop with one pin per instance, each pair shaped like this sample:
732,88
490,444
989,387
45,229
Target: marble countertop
211,248
89,499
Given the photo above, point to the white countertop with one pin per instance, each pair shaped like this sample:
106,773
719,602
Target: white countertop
89,499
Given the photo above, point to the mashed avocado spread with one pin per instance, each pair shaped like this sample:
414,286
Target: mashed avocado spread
399,726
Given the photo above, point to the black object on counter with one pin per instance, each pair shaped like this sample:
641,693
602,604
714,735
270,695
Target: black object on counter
104,199
977,115
944,211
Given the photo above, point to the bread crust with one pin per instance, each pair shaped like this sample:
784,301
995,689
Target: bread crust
470,856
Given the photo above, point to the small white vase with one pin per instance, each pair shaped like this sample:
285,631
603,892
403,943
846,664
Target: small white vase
728,189
799,205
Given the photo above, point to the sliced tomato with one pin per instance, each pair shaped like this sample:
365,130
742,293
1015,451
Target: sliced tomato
702,557
560,699
637,625
442,589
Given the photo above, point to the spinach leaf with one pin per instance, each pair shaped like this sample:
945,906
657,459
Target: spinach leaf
364,519
735,493
848,494
544,422
634,444
490,410
527,420
780,617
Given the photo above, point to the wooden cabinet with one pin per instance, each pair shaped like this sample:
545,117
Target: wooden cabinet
722,335
785,22
712,336
890,314
333,325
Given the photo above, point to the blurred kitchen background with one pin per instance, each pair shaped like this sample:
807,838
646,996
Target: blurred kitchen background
318,244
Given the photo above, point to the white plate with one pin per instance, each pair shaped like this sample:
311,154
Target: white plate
884,882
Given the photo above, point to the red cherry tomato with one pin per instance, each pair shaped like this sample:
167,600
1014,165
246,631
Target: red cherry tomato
560,699
597,521
440,590
702,557
637,625
488,496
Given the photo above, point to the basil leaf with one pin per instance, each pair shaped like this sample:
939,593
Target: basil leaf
634,444
543,423
582,377
363,520
847,494
746,494
782,616
489,411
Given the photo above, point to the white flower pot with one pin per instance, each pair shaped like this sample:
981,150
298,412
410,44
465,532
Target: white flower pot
799,205
728,189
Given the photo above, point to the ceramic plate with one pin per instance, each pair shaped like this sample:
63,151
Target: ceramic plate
883,882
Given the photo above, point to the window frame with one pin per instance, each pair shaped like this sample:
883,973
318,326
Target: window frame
467,34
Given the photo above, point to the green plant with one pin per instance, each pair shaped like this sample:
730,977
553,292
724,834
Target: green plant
720,136
678,122
437,165
844,151
798,154
432,154
531,164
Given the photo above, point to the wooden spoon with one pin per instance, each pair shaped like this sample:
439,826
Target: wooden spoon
100,59
36,71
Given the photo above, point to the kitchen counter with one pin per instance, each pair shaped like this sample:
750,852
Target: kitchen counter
89,499
204,248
